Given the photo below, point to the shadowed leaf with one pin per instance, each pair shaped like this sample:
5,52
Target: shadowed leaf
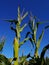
28,34
14,30
2,44
44,51
28,55
15,21
5,60
47,27
32,41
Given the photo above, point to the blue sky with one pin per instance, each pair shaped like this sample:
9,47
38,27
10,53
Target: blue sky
8,10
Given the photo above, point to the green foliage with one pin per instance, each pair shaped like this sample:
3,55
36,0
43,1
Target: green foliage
4,59
33,25
18,29
2,44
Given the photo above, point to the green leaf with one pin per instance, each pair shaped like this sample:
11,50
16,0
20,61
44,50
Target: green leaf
15,21
44,51
21,43
23,27
30,26
28,34
42,22
19,16
40,38
5,60
34,34
24,15
2,44
32,41
22,12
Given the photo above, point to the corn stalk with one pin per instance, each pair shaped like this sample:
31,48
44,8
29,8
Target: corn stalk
17,31
34,27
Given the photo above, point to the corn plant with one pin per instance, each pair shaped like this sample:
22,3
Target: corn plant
34,27
2,44
18,29
3,59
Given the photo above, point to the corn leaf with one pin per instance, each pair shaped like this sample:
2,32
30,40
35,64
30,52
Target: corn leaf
5,60
11,59
40,38
30,26
22,12
47,27
34,33
15,21
24,15
28,34
32,41
21,43
44,51
23,27
2,44
19,16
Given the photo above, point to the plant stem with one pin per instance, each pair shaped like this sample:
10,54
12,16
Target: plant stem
16,50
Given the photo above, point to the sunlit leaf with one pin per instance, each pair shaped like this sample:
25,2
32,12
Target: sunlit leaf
24,15
23,27
19,16
22,12
34,33
40,38
21,43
